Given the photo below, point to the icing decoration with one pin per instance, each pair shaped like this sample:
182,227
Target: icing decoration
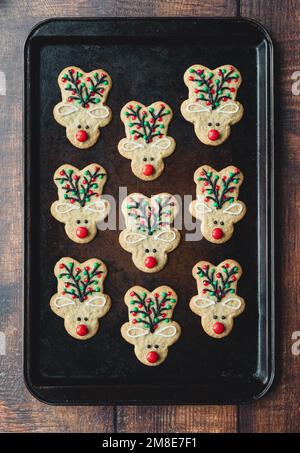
79,188
144,123
217,189
217,286
80,284
85,93
151,215
150,310
213,90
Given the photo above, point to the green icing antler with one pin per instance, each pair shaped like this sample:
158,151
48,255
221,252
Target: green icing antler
220,284
77,188
145,124
211,90
217,191
150,214
151,310
81,92
80,283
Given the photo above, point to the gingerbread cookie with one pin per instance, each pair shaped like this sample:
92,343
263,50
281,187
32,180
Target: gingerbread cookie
151,328
79,299
211,105
217,302
82,110
147,142
149,234
79,204
217,204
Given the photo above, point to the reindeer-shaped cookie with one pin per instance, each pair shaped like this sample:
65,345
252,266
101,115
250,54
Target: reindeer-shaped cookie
217,302
79,204
211,105
151,328
149,234
79,298
82,110
147,142
217,204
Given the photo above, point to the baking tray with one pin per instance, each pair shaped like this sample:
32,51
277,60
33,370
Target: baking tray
146,59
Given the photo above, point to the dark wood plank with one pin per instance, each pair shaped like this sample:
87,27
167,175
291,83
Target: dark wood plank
279,411
177,419
19,411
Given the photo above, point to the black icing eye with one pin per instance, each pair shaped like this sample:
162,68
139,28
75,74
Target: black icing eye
151,158
223,317
145,159
78,319
154,250
147,250
215,222
149,346
86,319
217,124
87,127
156,346
86,221
221,223
79,126
209,124
215,317
78,221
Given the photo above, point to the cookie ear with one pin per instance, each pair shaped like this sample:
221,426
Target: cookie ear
61,305
62,112
131,333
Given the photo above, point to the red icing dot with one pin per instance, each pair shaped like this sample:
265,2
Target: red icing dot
150,262
134,321
62,173
152,357
78,269
218,275
82,232
169,293
82,330
205,283
72,200
61,266
213,135
233,278
191,78
88,79
148,170
232,90
218,328
72,71
131,294
156,295
81,136
212,91
217,233
208,103
226,265
63,79
87,268
148,300
205,266
70,99
75,177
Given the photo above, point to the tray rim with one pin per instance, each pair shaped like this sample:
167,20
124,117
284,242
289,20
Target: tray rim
271,236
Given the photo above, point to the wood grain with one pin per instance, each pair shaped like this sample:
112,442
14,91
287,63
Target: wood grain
279,410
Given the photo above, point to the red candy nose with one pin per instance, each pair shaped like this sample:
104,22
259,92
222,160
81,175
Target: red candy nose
218,328
150,262
213,135
217,233
82,330
82,232
82,136
152,357
148,170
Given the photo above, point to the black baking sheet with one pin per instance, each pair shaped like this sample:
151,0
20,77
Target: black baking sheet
146,59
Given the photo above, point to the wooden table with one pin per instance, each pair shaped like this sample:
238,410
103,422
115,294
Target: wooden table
280,409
